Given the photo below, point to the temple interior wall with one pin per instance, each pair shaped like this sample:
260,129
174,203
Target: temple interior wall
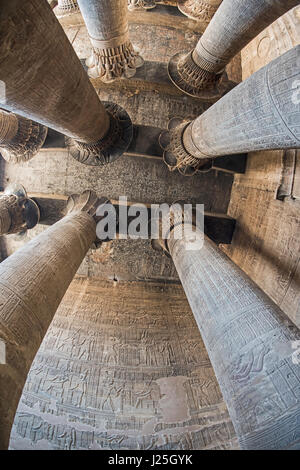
266,239
123,364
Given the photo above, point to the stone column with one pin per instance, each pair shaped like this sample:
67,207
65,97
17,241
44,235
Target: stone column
141,4
200,10
33,281
53,3
66,7
200,72
250,341
45,81
17,212
262,113
107,24
20,138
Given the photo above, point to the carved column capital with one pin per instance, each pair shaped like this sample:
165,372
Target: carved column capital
87,201
173,222
90,203
17,211
111,63
141,4
200,10
20,138
113,55
175,155
111,146
196,77
66,7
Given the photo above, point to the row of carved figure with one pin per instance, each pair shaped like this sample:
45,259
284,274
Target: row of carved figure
249,339
253,346
98,133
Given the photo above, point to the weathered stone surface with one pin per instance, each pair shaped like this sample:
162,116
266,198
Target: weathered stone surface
113,55
20,138
169,30
122,367
17,211
33,282
250,342
200,72
66,7
272,42
268,118
266,242
35,86
51,171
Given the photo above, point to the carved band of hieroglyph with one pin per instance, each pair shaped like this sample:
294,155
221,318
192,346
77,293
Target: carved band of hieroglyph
207,61
111,42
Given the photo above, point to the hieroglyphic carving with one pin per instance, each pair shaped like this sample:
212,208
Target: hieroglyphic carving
105,375
208,136
229,31
33,281
249,341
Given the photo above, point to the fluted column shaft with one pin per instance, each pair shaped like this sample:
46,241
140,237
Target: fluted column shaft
249,342
33,281
262,113
44,78
107,24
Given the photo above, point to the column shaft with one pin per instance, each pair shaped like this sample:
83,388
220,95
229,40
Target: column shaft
250,344
107,24
43,76
235,23
32,283
261,113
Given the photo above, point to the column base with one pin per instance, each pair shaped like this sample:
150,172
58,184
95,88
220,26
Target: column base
194,81
175,155
197,10
114,63
25,145
112,146
141,4
26,214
